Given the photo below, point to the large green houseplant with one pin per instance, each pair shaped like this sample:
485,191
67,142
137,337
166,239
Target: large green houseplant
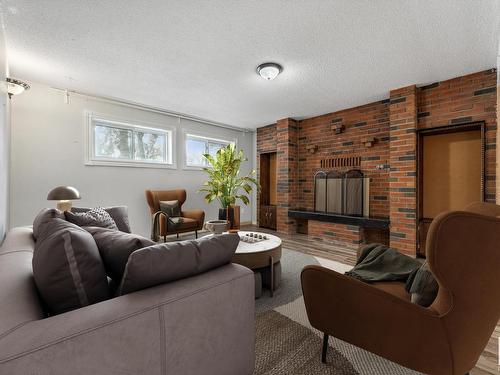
225,183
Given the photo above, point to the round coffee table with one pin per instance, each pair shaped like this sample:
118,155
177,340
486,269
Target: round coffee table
260,254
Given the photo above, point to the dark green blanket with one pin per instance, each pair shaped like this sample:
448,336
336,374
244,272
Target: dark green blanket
382,263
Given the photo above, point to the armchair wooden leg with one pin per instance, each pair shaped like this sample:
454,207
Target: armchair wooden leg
196,233
165,238
325,348
177,235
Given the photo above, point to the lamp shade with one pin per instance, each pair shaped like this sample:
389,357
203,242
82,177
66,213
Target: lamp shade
63,193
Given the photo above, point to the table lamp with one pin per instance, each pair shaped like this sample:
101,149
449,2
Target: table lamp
64,195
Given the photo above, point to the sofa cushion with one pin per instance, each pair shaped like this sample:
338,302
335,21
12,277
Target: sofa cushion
118,213
115,248
167,262
68,269
19,300
41,227
96,217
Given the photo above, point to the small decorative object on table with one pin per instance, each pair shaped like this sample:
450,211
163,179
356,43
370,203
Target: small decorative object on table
217,226
253,237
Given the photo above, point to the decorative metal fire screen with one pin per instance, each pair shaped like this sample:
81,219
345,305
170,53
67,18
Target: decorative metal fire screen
341,193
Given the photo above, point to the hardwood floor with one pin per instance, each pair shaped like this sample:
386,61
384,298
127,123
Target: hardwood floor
488,362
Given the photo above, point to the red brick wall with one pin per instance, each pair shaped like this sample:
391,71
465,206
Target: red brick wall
392,193
402,176
367,120
287,164
460,100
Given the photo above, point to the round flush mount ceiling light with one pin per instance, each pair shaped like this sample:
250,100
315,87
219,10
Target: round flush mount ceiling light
269,70
14,86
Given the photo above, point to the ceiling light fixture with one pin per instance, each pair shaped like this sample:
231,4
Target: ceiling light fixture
269,70
14,86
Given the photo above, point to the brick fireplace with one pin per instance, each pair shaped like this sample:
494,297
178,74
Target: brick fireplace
380,140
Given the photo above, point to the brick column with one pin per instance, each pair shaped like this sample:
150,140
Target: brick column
403,172
287,165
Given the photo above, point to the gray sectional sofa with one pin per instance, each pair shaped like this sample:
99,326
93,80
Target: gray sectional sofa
199,325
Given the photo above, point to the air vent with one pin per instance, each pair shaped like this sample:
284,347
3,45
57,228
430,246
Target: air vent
341,162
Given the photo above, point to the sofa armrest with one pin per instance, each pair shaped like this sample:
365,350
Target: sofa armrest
195,214
373,319
203,324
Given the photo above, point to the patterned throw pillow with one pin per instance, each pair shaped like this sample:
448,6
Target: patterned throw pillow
96,217
171,208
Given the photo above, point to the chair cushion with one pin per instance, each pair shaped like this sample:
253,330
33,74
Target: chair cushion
167,262
115,248
118,213
171,208
68,269
96,217
393,287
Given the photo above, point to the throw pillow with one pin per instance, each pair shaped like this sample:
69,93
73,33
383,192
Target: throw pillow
95,217
167,262
118,213
115,248
41,224
422,286
171,208
68,269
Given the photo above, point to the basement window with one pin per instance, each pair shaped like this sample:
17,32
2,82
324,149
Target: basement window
197,145
126,144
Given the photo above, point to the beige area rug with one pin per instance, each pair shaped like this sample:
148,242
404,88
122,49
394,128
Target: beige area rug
288,348
287,344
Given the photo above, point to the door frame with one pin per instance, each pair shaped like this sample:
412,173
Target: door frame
471,126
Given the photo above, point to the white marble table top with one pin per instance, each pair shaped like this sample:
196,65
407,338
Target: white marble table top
271,243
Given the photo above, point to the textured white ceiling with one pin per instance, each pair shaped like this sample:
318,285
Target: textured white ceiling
199,57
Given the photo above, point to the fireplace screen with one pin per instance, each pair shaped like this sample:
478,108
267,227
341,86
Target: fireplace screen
341,193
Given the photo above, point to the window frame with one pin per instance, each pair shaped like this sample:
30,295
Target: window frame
92,119
187,133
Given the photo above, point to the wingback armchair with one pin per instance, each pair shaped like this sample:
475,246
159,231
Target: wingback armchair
192,219
447,338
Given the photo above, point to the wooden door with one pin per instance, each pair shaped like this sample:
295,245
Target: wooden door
450,175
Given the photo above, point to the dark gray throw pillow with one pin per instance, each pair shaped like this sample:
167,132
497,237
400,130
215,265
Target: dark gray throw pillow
171,208
68,269
118,213
41,224
167,262
95,217
422,286
115,248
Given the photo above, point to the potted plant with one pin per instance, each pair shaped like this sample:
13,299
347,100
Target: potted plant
225,183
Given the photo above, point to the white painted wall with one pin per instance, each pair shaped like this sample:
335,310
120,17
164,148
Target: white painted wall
4,144
48,150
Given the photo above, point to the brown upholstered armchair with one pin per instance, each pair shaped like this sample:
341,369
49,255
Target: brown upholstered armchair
463,251
192,219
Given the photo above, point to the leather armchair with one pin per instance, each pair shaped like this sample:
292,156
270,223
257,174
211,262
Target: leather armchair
446,338
193,219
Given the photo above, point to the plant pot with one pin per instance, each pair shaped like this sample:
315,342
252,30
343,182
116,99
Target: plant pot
217,226
234,216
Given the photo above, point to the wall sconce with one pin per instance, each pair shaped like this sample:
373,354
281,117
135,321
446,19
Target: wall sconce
368,141
13,86
337,126
312,148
